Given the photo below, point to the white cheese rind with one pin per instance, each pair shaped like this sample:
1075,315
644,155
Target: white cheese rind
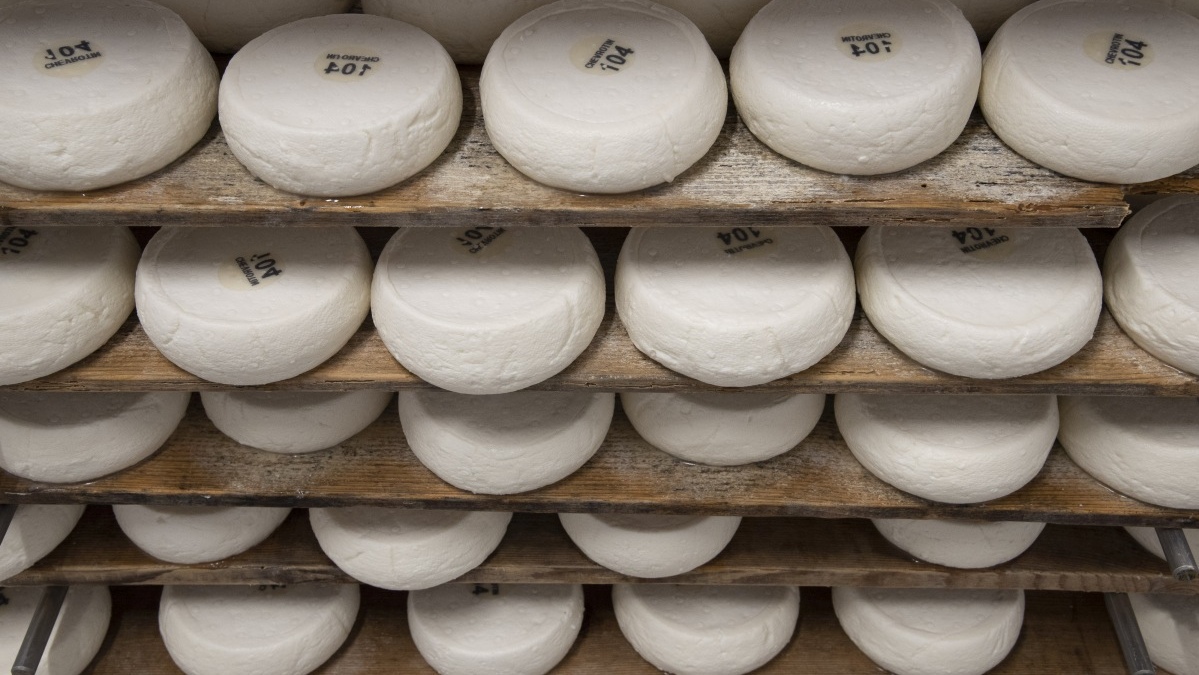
225,26
775,306
721,21
188,535
986,16
78,633
66,437
67,290
952,449
649,546
506,443
198,305
960,543
1170,626
723,429
148,96
35,531
499,629
401,549
293,422
1147,538
1049,93
597,129
706,630
980,302
482,310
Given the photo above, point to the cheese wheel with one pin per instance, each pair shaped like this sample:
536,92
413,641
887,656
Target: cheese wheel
1170,626
264,630
1151,284
953,449
1147,538
507,443
402,549
706,630
340,105
986,16
501,629
931,631
1102,90
980,302
1146,448
35,531
66,291
293,422
246,305
188,535
874,87
960,543
735,307
78,632
227,25
723,429
98,93
602,95
67,437
486,310
649,546
466,41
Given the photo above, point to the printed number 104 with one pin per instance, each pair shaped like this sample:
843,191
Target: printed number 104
871,48
347,69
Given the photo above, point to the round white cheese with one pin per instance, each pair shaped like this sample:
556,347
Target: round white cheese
1146,448
706,630
466,41
602,95
227,25
873,87
487,310
506,443
954,449
1170,625
65,437
188,535
500,629
402,549
649,546
1102,90
735,307
981,302
66,291
98,93
1147,538
293,422
1151,282
35,531
723,429
263,630
965,544
78,633
252,305
340,105
988,15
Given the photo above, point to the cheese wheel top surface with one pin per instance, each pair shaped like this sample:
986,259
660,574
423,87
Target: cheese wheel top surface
46,266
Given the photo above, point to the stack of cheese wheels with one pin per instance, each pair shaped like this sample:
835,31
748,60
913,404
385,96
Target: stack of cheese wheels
723,429
1102,90
35,531
66,291
954,449
402,550
340,105
264,630
227,25
988,15
506,443
1146,448
649,546
98,93
1148,539
78,631
960,543
602,95
1170,627
293,422
71,437
735,307
189,535
464,629
706,630
931,631
487,310
245,306
1151,283
863,87
980,302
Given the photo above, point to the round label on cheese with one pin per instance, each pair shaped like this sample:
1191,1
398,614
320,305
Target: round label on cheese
867,42
603,55
70,58
1119,50
348,64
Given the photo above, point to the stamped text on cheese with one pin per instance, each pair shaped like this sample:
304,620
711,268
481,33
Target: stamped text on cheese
348,64
602,55
257,268
742,239
14,240
867,42
477,239
976,239
1119,50
68,54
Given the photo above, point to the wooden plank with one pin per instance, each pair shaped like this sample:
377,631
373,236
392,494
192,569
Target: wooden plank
740,181
1186,182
